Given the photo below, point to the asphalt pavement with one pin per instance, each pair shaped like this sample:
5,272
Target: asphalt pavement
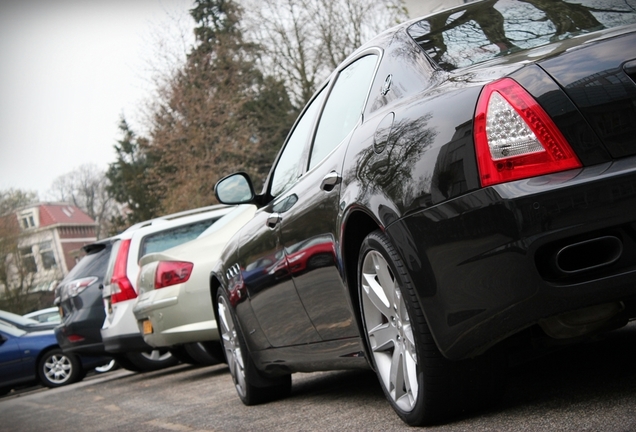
589,387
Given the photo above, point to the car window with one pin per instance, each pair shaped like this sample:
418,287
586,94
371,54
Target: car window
470,35
93,264
160,241
289,165
344,107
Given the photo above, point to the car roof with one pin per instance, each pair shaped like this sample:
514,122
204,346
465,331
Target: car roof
180,216
170,221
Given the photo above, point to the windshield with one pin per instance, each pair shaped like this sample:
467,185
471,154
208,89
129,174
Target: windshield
488,29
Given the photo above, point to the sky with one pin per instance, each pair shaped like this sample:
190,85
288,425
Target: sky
69,70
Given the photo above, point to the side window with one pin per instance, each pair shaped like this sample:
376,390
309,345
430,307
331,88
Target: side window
344,107
288,168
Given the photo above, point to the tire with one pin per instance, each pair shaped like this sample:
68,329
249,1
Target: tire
215,349
201,355
422,386
182,355
146,361
57,369
252,387
110,366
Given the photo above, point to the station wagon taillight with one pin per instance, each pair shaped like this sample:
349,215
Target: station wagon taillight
122,289
172,272
515,138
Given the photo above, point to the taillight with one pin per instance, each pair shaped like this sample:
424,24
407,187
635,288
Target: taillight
75,338
122,288
515,138
76,286
172,273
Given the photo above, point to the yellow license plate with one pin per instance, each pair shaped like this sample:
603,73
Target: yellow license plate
147,327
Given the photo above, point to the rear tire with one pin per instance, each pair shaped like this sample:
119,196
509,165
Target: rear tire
180,353
110,366
146,361
202,355
57,369
252,386
422,386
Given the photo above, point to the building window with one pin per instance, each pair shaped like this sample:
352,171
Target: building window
28,259
27,220
47,255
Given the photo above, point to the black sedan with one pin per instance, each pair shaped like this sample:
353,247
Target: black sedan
474,174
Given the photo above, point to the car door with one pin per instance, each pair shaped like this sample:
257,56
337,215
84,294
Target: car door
11,357
309,228
262,261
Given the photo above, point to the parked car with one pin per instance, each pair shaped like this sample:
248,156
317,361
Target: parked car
26,324
33,356
474,173
47,315
79,297
120,334
174,308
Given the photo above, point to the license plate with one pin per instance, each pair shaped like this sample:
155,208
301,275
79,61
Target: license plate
147,327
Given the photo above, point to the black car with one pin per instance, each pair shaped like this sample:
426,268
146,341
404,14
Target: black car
80,300
475,173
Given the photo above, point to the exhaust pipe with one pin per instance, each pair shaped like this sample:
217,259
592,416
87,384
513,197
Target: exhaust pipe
588,255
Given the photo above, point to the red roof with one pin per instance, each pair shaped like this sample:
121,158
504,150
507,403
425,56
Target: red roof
53,214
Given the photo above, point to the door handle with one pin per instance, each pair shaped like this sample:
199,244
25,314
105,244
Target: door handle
330,181
273,220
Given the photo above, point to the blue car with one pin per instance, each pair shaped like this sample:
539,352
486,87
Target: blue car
28,357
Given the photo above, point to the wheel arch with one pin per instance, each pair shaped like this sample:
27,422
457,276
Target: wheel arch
359,224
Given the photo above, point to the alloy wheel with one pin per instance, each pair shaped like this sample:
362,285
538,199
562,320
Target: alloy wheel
58,369
389,331
232,347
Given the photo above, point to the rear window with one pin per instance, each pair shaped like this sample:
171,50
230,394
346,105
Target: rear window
93,264
492,28
160,241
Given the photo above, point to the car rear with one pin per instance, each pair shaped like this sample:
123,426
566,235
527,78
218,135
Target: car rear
120,332
80,302
174,305
549,235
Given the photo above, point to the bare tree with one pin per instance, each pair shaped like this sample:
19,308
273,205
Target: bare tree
16,276
304,40
86,188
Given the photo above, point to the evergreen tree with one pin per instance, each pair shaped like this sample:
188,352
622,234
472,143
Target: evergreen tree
129,181
218,114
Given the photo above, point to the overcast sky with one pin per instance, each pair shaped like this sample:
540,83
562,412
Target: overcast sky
68,70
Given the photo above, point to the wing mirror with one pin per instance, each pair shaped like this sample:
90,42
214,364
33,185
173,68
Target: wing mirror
235,189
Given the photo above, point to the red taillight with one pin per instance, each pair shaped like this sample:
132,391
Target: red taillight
75,338
172,273
515,138
122,288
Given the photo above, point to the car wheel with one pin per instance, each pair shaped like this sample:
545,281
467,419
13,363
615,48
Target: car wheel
201,355
422,386
180,353
56,369
123,361
148,361
252,387
215,349
111,365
